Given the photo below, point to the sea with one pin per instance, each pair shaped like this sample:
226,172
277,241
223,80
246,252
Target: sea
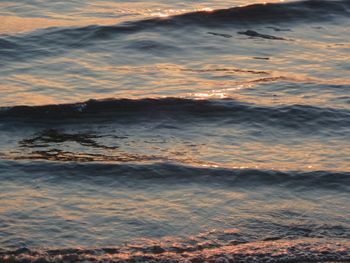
169,131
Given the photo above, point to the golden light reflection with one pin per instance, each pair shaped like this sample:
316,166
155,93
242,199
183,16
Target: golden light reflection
160,15
101,13
167,80
207,9
15,25
27,98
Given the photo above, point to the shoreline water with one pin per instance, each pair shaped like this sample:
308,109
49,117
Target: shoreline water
266,251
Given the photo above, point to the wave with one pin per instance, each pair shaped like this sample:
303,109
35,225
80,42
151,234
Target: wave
59,40
169,172
303,250
227,111
301,11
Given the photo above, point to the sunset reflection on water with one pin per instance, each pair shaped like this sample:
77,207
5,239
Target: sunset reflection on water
174,131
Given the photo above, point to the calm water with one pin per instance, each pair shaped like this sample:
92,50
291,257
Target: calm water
174,131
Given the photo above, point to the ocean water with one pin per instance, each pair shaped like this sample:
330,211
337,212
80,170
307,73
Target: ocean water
166,131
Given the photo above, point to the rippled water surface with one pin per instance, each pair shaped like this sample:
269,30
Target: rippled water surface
175,131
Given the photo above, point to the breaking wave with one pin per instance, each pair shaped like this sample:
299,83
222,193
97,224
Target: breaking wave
303,250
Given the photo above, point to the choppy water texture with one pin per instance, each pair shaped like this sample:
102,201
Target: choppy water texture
171,131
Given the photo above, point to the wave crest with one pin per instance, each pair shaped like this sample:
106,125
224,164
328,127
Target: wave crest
153,109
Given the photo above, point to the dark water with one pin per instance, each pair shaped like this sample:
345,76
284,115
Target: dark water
174,132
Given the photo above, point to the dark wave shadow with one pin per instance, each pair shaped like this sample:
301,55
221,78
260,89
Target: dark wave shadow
160,172
225,111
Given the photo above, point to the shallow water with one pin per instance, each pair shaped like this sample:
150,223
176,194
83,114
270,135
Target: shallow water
174,131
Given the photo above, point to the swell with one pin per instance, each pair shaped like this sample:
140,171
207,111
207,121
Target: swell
303,250
301,11
173,173
179,109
